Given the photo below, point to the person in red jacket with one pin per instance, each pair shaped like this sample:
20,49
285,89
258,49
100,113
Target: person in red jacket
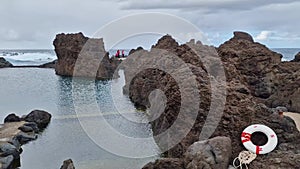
118,54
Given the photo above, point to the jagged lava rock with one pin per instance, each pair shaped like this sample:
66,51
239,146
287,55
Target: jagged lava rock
253,60
271,81
82,57
241,108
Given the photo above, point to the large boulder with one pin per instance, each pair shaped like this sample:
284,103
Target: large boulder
82,57
213,153
40,117
12,118
4,63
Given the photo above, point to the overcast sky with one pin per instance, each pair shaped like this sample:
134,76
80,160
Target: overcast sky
33,24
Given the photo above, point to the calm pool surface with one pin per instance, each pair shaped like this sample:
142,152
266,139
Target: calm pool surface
23,90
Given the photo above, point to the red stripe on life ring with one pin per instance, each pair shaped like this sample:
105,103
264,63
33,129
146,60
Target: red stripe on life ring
258,149
247,137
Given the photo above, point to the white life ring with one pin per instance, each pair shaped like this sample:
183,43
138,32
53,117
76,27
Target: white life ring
268,147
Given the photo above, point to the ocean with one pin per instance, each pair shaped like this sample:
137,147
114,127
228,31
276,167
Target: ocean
38,57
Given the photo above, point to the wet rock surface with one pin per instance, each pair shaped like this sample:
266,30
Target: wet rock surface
256,79
4,63
17,131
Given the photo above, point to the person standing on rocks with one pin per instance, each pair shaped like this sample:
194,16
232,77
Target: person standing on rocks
123,55
118,54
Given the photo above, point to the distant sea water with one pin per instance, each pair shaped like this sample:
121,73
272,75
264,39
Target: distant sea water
38,57
288,53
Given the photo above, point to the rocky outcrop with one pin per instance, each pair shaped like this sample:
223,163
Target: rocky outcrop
68,164
135,50
4,63
247,67
83,57
17,131
253,60
297,58
271,81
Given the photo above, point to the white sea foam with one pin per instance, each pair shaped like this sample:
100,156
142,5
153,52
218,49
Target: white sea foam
19,58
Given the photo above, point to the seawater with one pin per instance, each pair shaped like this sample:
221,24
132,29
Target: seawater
38,57
23,90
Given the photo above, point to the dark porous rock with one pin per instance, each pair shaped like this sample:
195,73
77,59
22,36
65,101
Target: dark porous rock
81,56
4,63
40,117
212,153
166,163
68,164
271,81
135,50
254,74
242,36
254,61
12,118
297,58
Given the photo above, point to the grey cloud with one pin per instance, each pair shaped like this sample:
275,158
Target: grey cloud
34,23
211,5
